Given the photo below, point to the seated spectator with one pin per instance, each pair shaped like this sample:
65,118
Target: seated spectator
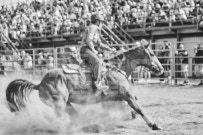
114,11
75,26
182,55
181,15
186,8
172,16
160,14
141,17
120,16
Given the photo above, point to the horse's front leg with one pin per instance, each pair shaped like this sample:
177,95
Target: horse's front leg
52,97
71,111
133,104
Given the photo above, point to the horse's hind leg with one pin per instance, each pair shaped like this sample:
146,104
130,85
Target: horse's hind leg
71,110
133,104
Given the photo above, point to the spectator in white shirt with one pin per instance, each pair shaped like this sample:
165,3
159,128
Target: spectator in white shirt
40,59
180,13
27,61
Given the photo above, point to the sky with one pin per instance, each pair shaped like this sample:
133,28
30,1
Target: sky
9,2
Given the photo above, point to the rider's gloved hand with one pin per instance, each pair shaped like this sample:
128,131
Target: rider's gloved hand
96,52
100,55
122,49
113,50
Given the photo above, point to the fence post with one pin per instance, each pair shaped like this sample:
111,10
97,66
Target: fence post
55,57
34,65
197,17
174,63
169,20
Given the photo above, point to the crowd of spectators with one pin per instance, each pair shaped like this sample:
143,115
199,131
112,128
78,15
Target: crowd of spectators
71,16
153,11
41,18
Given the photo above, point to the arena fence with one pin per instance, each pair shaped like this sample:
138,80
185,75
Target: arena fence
37,62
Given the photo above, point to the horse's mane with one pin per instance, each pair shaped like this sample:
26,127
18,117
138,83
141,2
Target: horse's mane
116,69
120,52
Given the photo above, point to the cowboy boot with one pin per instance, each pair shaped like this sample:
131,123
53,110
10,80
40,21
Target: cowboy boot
101,88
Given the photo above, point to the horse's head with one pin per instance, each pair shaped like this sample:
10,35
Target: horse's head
142,55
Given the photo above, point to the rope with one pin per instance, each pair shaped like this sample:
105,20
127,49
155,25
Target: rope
121,52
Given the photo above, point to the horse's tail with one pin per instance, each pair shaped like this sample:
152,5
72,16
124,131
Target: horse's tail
17,93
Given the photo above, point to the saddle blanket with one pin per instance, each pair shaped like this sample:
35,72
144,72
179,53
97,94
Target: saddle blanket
74,68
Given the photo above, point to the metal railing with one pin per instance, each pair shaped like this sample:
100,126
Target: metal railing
55,57
149,22
6,41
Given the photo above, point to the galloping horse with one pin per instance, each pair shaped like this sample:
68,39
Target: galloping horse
59,89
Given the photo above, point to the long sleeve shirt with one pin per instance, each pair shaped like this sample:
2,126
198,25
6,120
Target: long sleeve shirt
91,38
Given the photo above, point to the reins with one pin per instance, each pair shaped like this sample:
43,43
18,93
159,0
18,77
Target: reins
121,52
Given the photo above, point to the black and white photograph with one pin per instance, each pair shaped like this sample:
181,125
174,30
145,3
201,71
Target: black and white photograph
101,67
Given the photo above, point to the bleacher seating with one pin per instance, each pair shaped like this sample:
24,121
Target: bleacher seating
39,19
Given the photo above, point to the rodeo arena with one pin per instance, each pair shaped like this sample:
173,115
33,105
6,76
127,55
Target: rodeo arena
101,67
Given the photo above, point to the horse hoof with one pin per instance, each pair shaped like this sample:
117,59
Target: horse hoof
92,128
156,127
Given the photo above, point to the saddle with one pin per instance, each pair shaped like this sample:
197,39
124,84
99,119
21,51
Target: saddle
85,71
85,79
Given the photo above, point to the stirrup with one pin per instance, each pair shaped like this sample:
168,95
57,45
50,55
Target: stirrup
101,88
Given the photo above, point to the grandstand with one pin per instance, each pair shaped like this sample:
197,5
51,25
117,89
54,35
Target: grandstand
42,24
128,20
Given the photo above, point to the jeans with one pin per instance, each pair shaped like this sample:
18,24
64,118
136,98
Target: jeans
95,61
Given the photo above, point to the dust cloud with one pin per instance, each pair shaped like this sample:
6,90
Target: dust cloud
40,119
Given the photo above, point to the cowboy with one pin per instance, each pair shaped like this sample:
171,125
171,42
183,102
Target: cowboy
182,60
92,42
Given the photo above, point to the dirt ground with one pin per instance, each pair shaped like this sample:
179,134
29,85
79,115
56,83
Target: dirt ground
178,109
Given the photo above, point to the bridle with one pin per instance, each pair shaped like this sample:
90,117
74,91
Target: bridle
145,50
